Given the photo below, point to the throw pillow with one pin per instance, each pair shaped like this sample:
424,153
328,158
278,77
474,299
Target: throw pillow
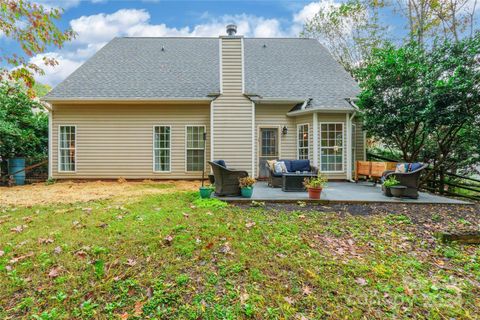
271,164
280,167
414,166
401,168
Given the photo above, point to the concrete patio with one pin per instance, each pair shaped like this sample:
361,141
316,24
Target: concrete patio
344,192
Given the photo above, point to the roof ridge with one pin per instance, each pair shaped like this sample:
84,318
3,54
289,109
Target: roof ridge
187,37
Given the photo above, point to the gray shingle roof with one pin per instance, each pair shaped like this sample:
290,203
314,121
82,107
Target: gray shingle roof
296,68
138,68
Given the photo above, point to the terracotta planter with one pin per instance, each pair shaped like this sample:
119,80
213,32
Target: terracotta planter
314,193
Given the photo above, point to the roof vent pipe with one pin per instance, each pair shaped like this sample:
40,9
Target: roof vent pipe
231,29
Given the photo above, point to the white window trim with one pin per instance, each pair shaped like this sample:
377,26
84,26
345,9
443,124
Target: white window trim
58,148
320,149
204,150
308,140
169,149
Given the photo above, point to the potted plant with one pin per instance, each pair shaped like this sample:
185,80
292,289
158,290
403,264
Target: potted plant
388,185
315,185
206,191
246,186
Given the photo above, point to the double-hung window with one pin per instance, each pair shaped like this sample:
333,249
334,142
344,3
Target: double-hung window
302,141
161,148
67,152
331,147
195,148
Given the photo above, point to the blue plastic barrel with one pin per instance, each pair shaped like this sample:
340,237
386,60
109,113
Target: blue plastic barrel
15,165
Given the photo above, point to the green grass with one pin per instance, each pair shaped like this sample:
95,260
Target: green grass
175,257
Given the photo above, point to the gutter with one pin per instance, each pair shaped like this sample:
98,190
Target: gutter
126,100
314,110
259,99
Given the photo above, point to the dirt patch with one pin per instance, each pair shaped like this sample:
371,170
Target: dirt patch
70,192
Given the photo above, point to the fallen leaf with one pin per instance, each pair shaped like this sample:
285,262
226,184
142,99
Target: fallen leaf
209,245
124,316
27,219
57,250
306,290
45,241
361,281
2,253
20,258
138,308
18,229
103,225
54,272
149,292
81,254
225,248
193,206
186,215
408,291
244,297
131,262
168,239
250,224
87,210
288,300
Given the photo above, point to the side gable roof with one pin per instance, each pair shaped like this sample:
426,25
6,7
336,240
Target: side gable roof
188,68
138,68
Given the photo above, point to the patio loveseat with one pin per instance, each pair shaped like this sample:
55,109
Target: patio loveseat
409,179
275,178
226,180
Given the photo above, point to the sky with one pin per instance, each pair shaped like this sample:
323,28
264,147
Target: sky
96,22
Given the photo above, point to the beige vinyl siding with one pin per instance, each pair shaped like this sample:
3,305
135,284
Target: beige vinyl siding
117,140
337,118
232,111
360,141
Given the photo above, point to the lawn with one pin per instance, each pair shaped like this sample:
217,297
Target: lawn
172,256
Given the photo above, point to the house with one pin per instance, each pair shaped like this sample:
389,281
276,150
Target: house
139,108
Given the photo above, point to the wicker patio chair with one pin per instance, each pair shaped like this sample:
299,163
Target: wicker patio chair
411,180
226,180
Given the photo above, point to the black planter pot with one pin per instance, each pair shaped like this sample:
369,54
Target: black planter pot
386,191
398,191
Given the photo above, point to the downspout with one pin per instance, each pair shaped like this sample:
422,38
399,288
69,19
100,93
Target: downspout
50,141
315,139
349,124
350,145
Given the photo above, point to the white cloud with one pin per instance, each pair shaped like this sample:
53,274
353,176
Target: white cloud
53,75
103,27
94,31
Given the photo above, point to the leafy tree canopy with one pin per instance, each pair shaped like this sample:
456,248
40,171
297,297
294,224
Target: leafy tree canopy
425,102
23,124
33,27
